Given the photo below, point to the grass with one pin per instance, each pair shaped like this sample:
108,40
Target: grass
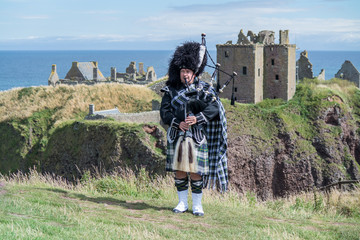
28,116
125,206
73,101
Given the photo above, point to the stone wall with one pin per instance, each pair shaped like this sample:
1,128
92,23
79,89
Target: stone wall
279,67
321,75
349,72
259,73
239,59
291,82
304,66
275,72
54,77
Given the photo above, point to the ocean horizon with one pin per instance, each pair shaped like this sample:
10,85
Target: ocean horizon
25,68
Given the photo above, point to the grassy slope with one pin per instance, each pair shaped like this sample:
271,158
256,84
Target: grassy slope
41,207
123,207
28,116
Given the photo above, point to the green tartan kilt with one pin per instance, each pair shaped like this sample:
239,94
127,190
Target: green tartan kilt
201,163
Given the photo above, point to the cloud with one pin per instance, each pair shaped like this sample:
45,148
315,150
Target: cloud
27,38
228,18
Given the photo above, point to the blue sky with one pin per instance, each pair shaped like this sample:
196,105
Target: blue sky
163,24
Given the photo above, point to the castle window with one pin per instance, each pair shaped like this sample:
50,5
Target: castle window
226,53
244,70
259,72
276,77
272,61
235,89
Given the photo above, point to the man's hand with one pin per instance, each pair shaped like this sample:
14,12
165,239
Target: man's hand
184,126
191,120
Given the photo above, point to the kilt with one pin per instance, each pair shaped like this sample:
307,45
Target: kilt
200,164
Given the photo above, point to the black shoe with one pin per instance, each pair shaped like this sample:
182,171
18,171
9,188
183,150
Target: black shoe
198,214
177,211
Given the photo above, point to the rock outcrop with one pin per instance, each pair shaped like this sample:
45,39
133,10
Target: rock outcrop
289,153
104,147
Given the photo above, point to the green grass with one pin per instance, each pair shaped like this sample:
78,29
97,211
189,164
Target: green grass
28,116
36,206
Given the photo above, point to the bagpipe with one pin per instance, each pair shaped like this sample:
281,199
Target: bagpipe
200,97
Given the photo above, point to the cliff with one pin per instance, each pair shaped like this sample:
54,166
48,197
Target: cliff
278,148
275,148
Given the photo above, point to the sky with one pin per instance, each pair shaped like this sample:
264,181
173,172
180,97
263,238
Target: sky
164,24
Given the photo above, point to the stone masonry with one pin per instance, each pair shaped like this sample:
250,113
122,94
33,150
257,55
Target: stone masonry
89,73
79,73
349,72
134,76
264,69
54,77
304,66
321,75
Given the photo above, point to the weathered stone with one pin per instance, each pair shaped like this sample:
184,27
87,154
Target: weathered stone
264,69
54,77
141,68
131,68
266,37
321,75
150,74
284,37
349,72
304,66
155,105
113,74
242,39
83,71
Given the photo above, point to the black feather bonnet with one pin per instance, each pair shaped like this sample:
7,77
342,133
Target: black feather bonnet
190,55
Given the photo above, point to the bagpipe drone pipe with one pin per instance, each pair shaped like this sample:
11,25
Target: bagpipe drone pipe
199,98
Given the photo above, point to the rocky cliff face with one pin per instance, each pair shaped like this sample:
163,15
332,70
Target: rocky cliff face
104,147
290,149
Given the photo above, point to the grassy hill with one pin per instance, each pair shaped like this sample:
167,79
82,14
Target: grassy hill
38,206
307,142
29,116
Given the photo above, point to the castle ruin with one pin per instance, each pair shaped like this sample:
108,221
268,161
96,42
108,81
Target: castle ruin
264,69
134,76
89,73
349,72
304,66
79,73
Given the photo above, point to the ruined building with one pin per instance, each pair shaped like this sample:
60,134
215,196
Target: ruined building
54,77
304,66
79,73
349,72
264,69
89,73
134,76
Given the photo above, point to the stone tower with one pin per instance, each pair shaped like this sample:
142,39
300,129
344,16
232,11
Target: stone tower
264,69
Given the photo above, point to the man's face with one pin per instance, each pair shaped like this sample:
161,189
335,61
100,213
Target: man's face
188,75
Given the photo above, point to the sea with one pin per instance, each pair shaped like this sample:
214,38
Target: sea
33,68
